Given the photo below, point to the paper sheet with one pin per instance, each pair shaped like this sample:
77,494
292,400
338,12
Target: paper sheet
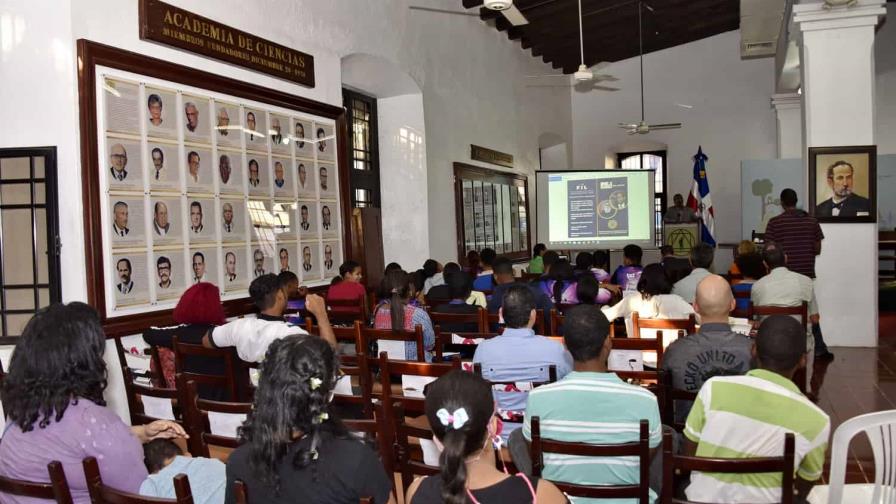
225,424
158,407
431,452
394,349
459,340
626,360
412,385
343,386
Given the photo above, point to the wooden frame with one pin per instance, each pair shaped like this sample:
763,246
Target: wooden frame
863,203
91,55
464,172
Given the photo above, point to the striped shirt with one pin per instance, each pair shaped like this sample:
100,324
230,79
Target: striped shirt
796,232
596,408
747,416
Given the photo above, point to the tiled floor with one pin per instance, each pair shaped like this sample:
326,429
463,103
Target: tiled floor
859,380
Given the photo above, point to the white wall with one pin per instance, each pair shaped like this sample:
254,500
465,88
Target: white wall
731,117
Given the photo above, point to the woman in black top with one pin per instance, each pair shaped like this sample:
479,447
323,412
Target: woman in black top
461,413
294,449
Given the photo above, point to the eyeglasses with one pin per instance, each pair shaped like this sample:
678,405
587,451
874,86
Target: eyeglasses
119,156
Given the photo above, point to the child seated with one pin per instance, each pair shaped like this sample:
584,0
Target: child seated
164,460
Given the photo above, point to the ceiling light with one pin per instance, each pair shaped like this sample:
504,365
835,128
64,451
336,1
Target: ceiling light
498,5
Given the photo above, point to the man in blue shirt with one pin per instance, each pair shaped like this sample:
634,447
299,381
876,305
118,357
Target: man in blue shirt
504,280
486,279
518,354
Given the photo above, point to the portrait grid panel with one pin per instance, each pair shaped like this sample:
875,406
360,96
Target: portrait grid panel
203,185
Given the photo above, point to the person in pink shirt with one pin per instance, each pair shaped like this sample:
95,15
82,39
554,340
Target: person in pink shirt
347,286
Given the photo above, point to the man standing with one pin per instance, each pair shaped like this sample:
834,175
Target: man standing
125,284
799,236
120,225
160,223
227,211
196,217
198,267
230,265
163,268
679,214
843,202
118,158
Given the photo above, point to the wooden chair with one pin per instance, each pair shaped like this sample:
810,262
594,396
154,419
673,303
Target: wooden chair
689,325
357,366
227,381
640,449
56,490
466,341
502,386
135,394
681,465
240,494
196,418
102,494
408,457
480,318
435,301
801,311
742,313
670,395
416,336
644,345
347,310
349,336
539,328
557,317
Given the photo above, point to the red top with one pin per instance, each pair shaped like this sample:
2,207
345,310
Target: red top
796,232
345,291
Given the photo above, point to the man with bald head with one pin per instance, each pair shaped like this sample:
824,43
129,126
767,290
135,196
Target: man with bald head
715,350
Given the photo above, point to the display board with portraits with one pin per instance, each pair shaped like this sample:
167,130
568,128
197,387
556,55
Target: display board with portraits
196,184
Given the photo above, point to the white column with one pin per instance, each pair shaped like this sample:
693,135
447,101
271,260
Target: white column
837,61
789,117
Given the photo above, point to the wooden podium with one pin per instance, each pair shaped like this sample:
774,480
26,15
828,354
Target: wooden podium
682,237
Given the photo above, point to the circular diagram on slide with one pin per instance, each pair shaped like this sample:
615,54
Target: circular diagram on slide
606,209
618,200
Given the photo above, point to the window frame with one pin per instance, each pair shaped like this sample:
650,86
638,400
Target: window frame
663,196
368,180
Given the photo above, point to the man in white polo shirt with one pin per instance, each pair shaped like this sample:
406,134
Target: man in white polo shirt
748,416
252,336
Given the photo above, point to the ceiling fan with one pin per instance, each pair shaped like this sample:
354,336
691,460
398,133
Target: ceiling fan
642,127
584,74
505,7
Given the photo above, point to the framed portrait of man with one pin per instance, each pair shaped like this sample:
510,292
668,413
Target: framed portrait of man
287,257
165,226
329,217
122,109
235,277
326,177
306,178
200,220
256,129
259,177
129,279
332,258
843,183
282,213
228,125
310,264
283,178
126,221
198,173
262,260
228,167
307,220
161,117
167,272
233,220
164,166
203,265
124,168
279,134
325,141
196,119
303,138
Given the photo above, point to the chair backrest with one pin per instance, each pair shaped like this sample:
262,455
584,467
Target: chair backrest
539,327
641,449
347,310
557,318
240,493
416,336
56,490
344,335
672,463
406,460
880,427
456,341
227,381
747,313
479,317
511,387
359,367
689,324
645,345
801,311
669,396
202,415
147,397
435,301
102,494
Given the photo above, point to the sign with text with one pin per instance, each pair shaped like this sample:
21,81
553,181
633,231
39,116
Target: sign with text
487,155
170,25
581,200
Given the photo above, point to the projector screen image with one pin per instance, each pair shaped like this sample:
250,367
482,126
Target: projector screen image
593,209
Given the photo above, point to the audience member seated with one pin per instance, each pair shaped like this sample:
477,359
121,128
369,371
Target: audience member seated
460,410
164,460
396,311
504,279
444,291
294,448
584,263
289,282
518,354
744,247
53,399
601,263
747,416
548,260
197,312
485,279
701,259
715,350
473,263
461,285
349,287
653,301
751,269
536,265
589,291
676,267
601,408
627,275
252,335
560,284
432,275
392,266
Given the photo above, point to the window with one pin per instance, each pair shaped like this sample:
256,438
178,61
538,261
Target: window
656,161
363,149
29,237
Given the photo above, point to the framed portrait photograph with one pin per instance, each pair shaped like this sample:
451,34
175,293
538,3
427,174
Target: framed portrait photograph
199,174
843,183
329,219
233,220
281,214
279,134
306,179
326,180
325,141
235,275
231,175
126,221
332,259
310,269
303,138
204,265
283,178
201,223
168,273
166,220
164,166
287,257
129,279
256,129
307,219
196,119
228,124
125,169
259,179
262,259
161,121
122,110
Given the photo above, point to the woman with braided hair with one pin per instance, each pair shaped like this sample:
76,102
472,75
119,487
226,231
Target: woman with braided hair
461,413
294,449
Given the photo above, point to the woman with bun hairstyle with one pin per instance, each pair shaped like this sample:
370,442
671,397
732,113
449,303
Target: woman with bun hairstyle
461,413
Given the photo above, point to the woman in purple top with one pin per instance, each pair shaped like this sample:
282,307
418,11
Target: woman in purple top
53,397
560,285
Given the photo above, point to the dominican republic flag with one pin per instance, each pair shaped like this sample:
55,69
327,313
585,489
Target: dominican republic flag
700,201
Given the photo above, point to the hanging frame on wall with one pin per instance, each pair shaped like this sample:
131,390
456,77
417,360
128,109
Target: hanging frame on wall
259,180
